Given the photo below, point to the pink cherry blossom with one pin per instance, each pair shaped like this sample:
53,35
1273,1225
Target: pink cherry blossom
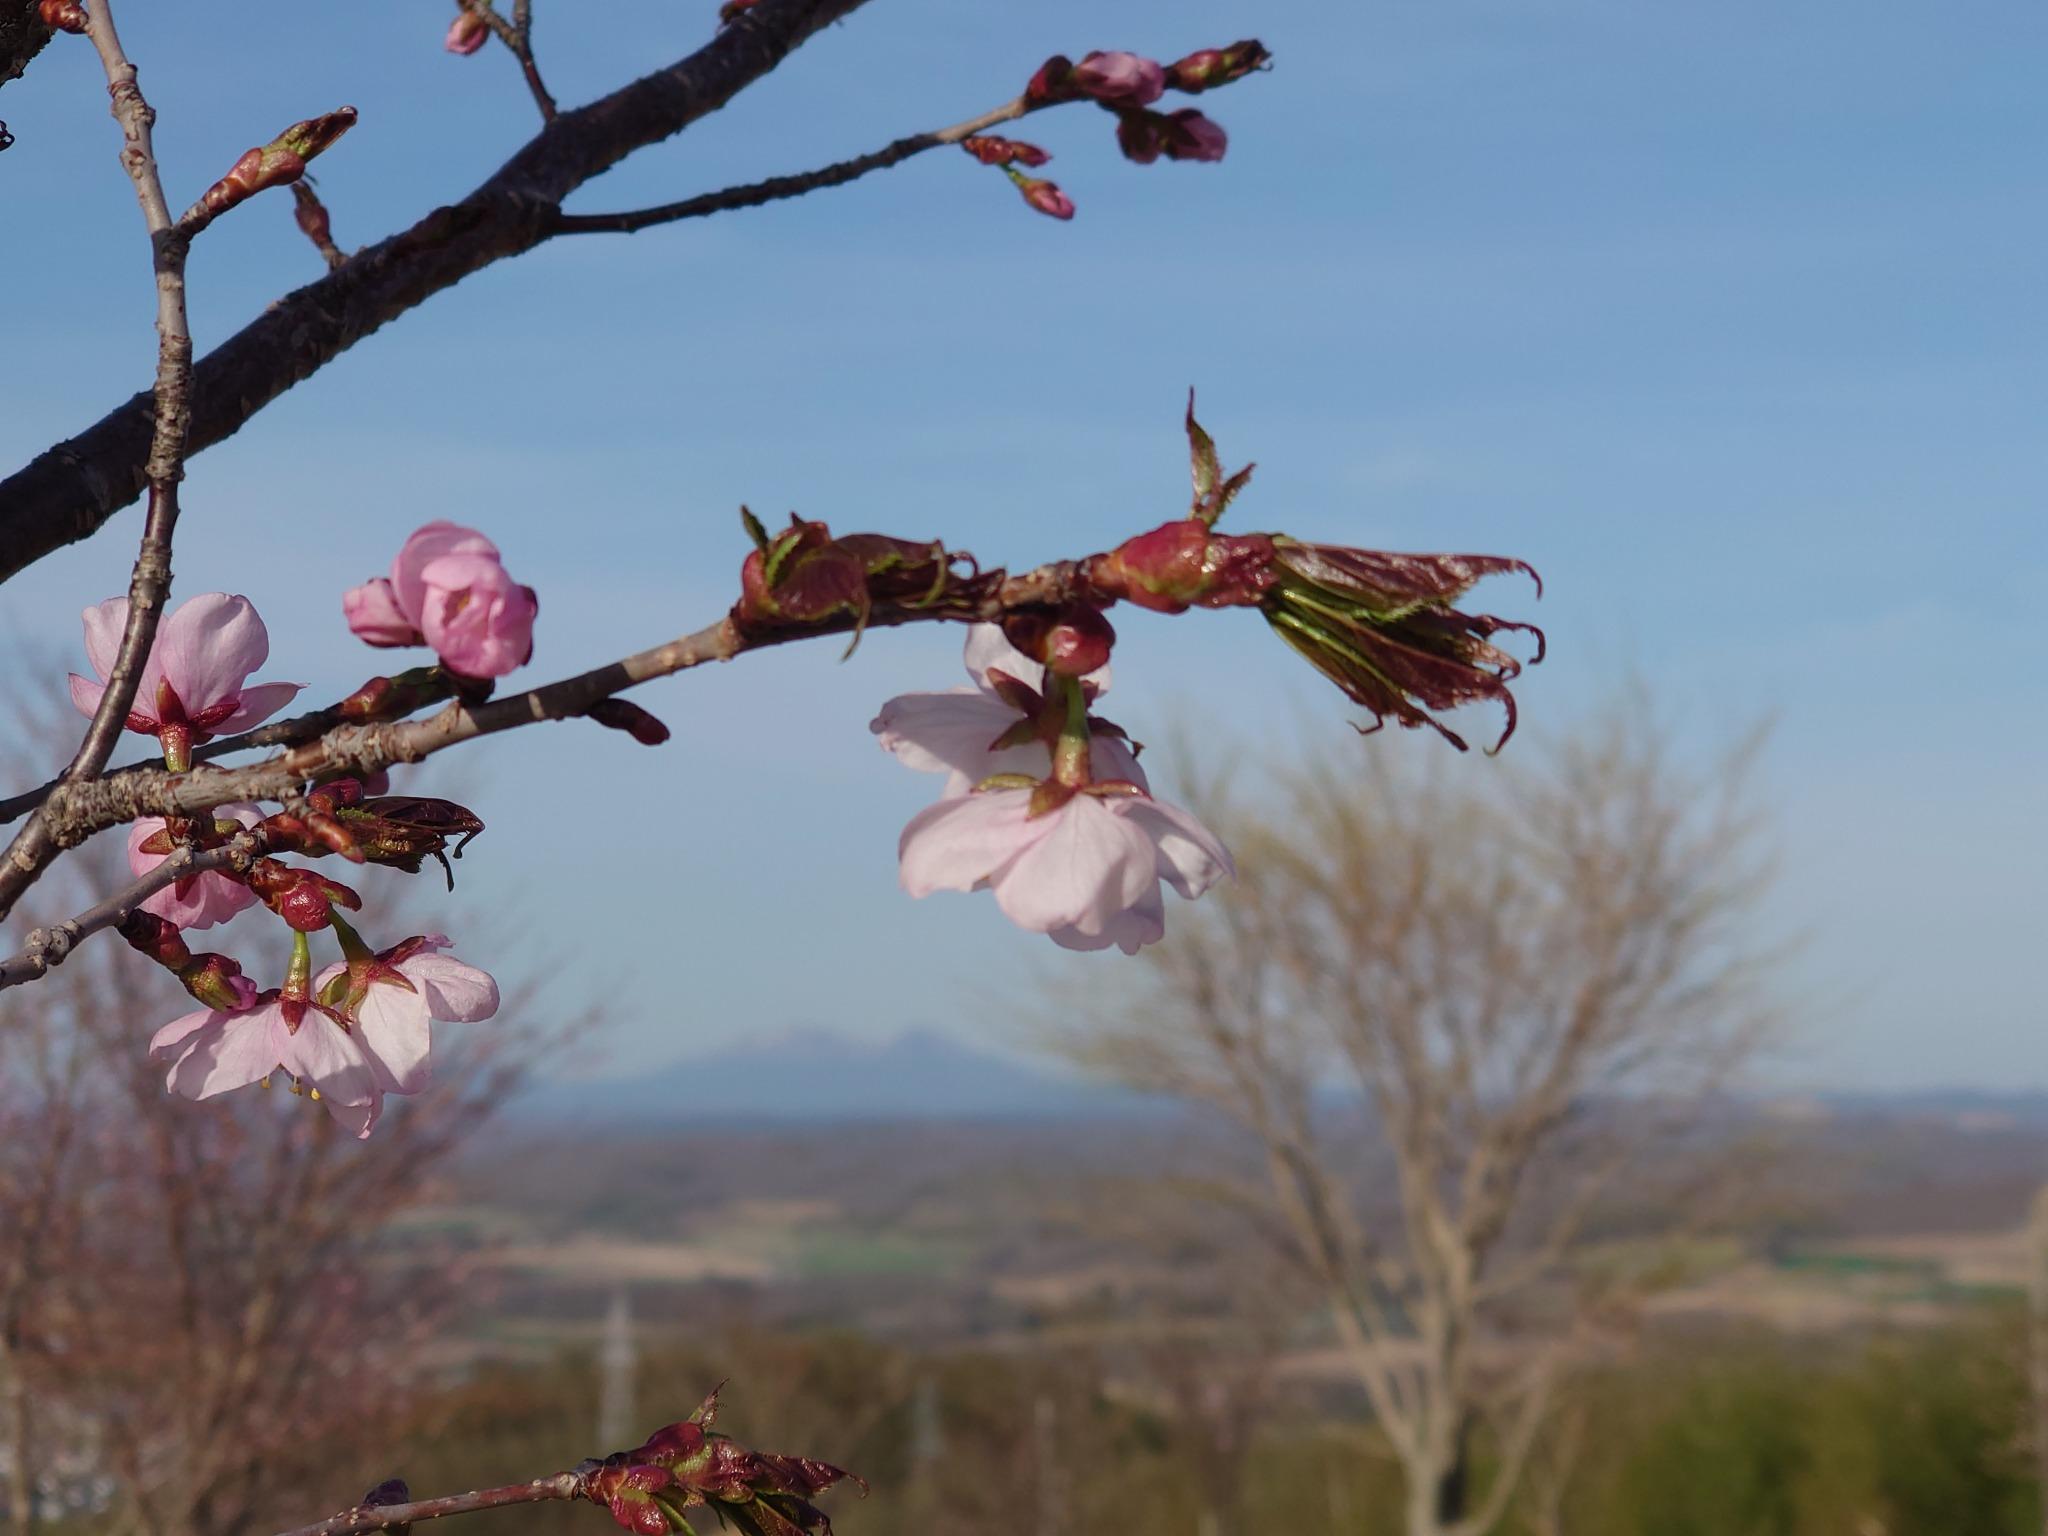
211,1052
954,733
196,901
393,1018
1086,873
1045,196
374,616
448,589
1120,79
198,668
477,618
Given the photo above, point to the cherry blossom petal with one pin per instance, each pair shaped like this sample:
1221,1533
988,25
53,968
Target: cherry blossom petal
1191,857
1130,930
373,614
86,695
207,647
259,702
453,990
1111,757
427,545
1088,866
104,623
395,1037
956,844
946,732
232,1051
357,1119
322,1054
173,1037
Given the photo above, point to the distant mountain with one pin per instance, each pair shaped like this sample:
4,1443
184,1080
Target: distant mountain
814,1075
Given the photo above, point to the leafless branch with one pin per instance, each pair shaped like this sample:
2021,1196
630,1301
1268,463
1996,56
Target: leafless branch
384,1517
776,188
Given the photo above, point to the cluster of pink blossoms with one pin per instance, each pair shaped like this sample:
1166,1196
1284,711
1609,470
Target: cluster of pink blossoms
1078,855
361,1028
1125,85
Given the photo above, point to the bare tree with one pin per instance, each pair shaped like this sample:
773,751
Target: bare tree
1523,970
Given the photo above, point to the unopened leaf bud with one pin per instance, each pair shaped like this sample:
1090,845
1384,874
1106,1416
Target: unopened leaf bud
217,981
62,15
990,149
281,161
1207,68
625,715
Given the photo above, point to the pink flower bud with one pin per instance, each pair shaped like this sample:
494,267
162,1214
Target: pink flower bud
1117,79
1045,196
1182,135
476,617
466,33
374,616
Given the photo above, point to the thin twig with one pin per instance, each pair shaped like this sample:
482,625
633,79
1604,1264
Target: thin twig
47,948
517,35
776,188
149,585
383,1517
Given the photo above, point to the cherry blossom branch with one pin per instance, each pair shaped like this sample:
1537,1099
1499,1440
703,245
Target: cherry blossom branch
384,1517
70,490
75,811
36,845
46,948
278,733
775,188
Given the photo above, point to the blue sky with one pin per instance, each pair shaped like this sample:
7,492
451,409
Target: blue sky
1730,318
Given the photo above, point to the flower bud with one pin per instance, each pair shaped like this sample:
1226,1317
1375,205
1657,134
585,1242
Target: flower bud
1207,68
217,982
155,937
1183,135
990,149
466,33
299,896
1116,79
1070,643
1045,196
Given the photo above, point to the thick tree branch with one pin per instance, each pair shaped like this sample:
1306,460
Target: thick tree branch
70,490
775,188
22,36
384,1517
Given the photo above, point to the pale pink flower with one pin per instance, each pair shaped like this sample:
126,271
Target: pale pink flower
393,1018
374,616
955,732
477,618
448,589
196,901
1119,79
1086,873
212,1052
197,674
1196,137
